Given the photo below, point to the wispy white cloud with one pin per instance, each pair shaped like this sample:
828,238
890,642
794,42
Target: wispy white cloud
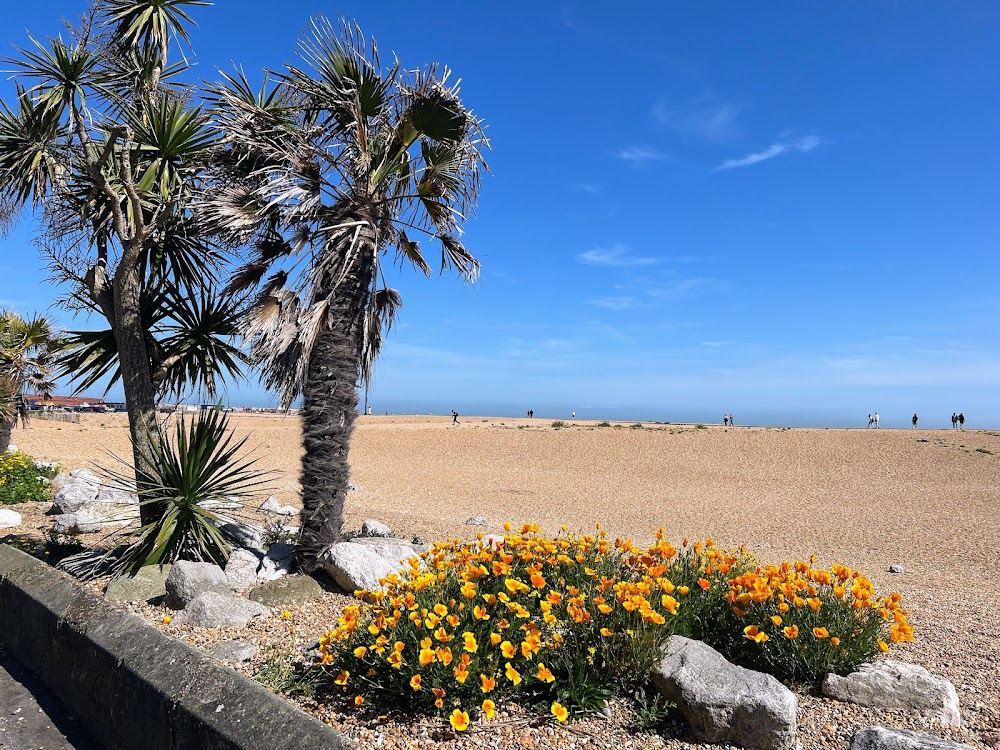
639,156
616,303
704,117
589,187
617,255
801,145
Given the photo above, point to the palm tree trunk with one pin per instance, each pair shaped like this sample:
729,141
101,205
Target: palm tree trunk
329,408
6,428
137,381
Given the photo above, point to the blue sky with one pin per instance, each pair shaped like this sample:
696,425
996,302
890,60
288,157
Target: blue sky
788,211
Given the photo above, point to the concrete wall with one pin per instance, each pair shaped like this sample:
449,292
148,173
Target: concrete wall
130,685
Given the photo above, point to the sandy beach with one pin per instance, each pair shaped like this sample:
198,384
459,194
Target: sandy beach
923,499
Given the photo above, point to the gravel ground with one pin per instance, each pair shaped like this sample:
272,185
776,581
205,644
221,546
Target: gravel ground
924,499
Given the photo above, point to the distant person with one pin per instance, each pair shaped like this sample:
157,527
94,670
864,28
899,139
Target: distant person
954,421
914,421
574,415
961,421
870,421
876,420
725,420
454,417
732,422
369,411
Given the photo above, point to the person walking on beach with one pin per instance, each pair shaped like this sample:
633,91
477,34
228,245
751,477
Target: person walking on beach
574,415
914,421
454,417
870,421
725,420
732,422
876,420
961,421
954,421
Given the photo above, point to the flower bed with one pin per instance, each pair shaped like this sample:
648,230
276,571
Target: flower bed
23,480
562,623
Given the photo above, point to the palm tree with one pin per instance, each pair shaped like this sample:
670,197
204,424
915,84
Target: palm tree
25,353
329,174
102,142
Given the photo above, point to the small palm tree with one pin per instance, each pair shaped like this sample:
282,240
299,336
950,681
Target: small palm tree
25,353
106,145
329,174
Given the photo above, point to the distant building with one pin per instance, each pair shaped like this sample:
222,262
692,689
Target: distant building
73,403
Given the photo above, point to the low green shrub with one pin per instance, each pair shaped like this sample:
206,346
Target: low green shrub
22,480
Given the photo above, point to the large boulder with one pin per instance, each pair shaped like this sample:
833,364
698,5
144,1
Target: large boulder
357,565
241,569
725,703
149,583
214,610
188,580
9,519
75,493
897,685
880,738
287,592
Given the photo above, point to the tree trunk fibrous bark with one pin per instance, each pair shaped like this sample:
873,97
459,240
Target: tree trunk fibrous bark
329,408
6,428
137,381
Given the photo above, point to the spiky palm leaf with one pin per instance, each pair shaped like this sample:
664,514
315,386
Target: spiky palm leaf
355,141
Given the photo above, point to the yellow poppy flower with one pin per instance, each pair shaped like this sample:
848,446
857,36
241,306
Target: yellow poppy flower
559,711
459,720
512,674
488,683
415,682
489,708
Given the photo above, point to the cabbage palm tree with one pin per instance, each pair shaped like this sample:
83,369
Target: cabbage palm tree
25,353
102,142
329,173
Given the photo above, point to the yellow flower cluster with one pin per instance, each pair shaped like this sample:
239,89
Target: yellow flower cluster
19,478
817,620
470,623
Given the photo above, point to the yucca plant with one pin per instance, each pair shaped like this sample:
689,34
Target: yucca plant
200,463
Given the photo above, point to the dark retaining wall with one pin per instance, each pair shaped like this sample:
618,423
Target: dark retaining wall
131,686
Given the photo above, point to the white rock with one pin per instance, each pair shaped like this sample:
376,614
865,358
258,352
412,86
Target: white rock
880,738
9,518
371,527
725,703
213,610
278,562
354,565
271,505
228,504
241,569
476,521
12,448
897,685
188,580
71,496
